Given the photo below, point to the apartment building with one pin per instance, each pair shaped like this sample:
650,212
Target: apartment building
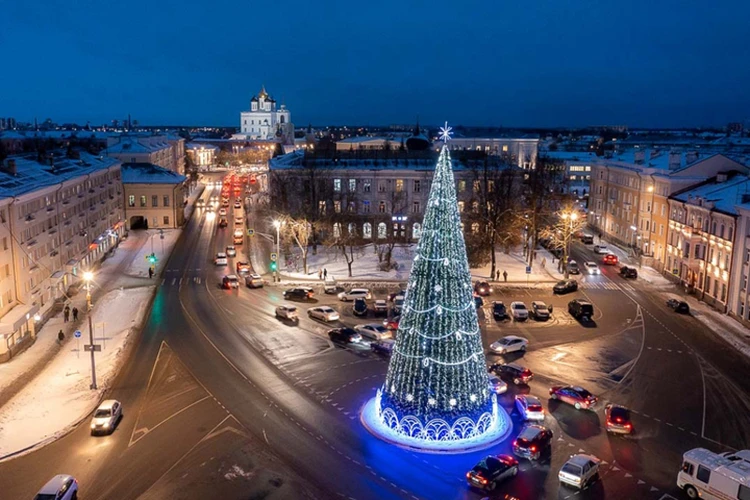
166,151
738,303
59,216
629,196
154,196
203,156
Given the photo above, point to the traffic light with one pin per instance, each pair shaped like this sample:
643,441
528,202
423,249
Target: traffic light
152,258
273,266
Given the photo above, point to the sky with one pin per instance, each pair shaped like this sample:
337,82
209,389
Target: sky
658,63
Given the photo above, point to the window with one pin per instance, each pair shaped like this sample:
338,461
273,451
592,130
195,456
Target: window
490,186
366,185
166,220
154,201
743,493
730,233
415,208
461,206
322,207
7,270
461,186
476,186
5,243
399,185
475,207
337,185
337,206
352,184
366,208
131,200
381,186
713,229
337,230
367,230
416,231
475,227
382,230
417,186
704,474
143,200
381,207
351,207
505,148
166,201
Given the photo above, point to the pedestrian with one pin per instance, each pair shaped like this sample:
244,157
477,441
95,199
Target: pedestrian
66,313
544,262
505,275
325,273
150,272
497,275
60,337
75,314
320,274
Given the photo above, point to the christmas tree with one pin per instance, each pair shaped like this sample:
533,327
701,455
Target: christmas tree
437,387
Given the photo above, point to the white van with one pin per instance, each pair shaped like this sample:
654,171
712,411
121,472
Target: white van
709,475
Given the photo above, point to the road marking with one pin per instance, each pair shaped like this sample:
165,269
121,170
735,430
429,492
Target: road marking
638,314
265,436
174,280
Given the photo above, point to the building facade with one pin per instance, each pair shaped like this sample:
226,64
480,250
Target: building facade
154,197
517,151
157,150
739,288
203,156
265,122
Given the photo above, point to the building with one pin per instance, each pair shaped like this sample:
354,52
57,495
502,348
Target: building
265,122
202,156
738,302
58,217
518,151
629,192
178,152
366,142
156,149
578,167
701,238
154,196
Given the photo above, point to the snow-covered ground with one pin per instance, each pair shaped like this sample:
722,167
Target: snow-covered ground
162,248
60,396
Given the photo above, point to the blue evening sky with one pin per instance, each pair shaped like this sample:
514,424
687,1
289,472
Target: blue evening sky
511,63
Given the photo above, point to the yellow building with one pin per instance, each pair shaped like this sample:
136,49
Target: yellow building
154,196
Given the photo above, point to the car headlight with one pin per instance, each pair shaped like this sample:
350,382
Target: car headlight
93,425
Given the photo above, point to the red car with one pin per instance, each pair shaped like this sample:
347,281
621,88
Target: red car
610,259
392,323
576,396
617,419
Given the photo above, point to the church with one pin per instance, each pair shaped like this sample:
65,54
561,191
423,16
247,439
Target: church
265,122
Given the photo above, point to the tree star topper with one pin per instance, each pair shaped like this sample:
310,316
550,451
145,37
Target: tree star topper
445,133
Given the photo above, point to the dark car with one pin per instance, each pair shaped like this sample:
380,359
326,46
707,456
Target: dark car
360,307
478,301
223,222
579,397
482,288
299,293
587,239
628,272
533,442
617,419
510,371
499,311
581,309
383,347
344,336
492,470
679,306
565,286
573,267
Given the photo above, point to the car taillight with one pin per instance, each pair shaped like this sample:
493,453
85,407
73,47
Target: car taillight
468,475
532,448
628,426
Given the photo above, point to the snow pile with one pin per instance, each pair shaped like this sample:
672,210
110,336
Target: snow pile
162,248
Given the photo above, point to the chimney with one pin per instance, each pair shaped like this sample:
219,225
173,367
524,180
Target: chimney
675,160
691,157
10,166
721,177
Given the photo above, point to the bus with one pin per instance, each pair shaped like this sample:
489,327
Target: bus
709,475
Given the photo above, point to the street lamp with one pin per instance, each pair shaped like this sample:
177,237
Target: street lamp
277,224
87,277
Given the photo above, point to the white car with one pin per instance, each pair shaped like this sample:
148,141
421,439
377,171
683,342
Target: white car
497,385
221,259
231,251
511,343
380,306
373,331
529,407
223,211
237,205
579,471
601,249
518,311
238,233
591,267
324,313
60,487
398,303
355,293
106,417
239,220
287,312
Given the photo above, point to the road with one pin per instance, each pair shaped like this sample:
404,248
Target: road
222,399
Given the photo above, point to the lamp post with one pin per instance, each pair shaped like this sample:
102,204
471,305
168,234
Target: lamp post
87,277
277,225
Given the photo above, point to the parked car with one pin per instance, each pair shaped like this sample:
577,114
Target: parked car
323,313
330,285
355,293
540,311
492,470
679,306
519,311
392,296
610,259
510,343
573,267
591,267
392,323
587,239
230,281
106,417
519,375
533,442
579,471
617,419
628,272
287,312
231,251
359,308
529,407
243,267
499,312
576,396
601,249
299,293
344,336
253,280
581,310
383,347
497,385
380,307
221,259
482,288
398,303
373,331
60,487
565,286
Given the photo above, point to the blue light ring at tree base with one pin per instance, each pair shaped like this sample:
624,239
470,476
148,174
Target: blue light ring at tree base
437,436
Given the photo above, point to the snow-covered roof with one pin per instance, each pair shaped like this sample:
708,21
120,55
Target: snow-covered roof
724,195
137,144
580,156
56,134
148,173
357,140
195,145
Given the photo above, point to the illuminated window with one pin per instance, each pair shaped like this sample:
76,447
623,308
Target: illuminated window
337,185
337,206
367,230
505,148
399,185
352,184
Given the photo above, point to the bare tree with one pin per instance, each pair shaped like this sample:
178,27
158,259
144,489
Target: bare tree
297,230
347,241
560,233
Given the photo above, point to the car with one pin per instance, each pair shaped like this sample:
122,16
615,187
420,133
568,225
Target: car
392,296
238,233
540,311
573,267
518,311
601,249
533,442
392,323
587,239
679,306
578,397
499,312
514,372
398,303
323,313
580,309
355,293
565,286
231,251
344,335
330,285
482,288
222,211
299,293
286,312
243,267
225,203
492,470
253,280
239,220
106,417
60,487
237,240
373,331
591,267
221,259
579,471
199,203
497,385
223,222
510,343
383,347
617,419
529,407
359,308
610,259
237,204
380,306
230,281
628,272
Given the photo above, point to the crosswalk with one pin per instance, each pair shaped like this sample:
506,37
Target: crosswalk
194,280
608,285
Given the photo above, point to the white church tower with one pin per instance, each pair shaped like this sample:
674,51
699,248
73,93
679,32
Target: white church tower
265,122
